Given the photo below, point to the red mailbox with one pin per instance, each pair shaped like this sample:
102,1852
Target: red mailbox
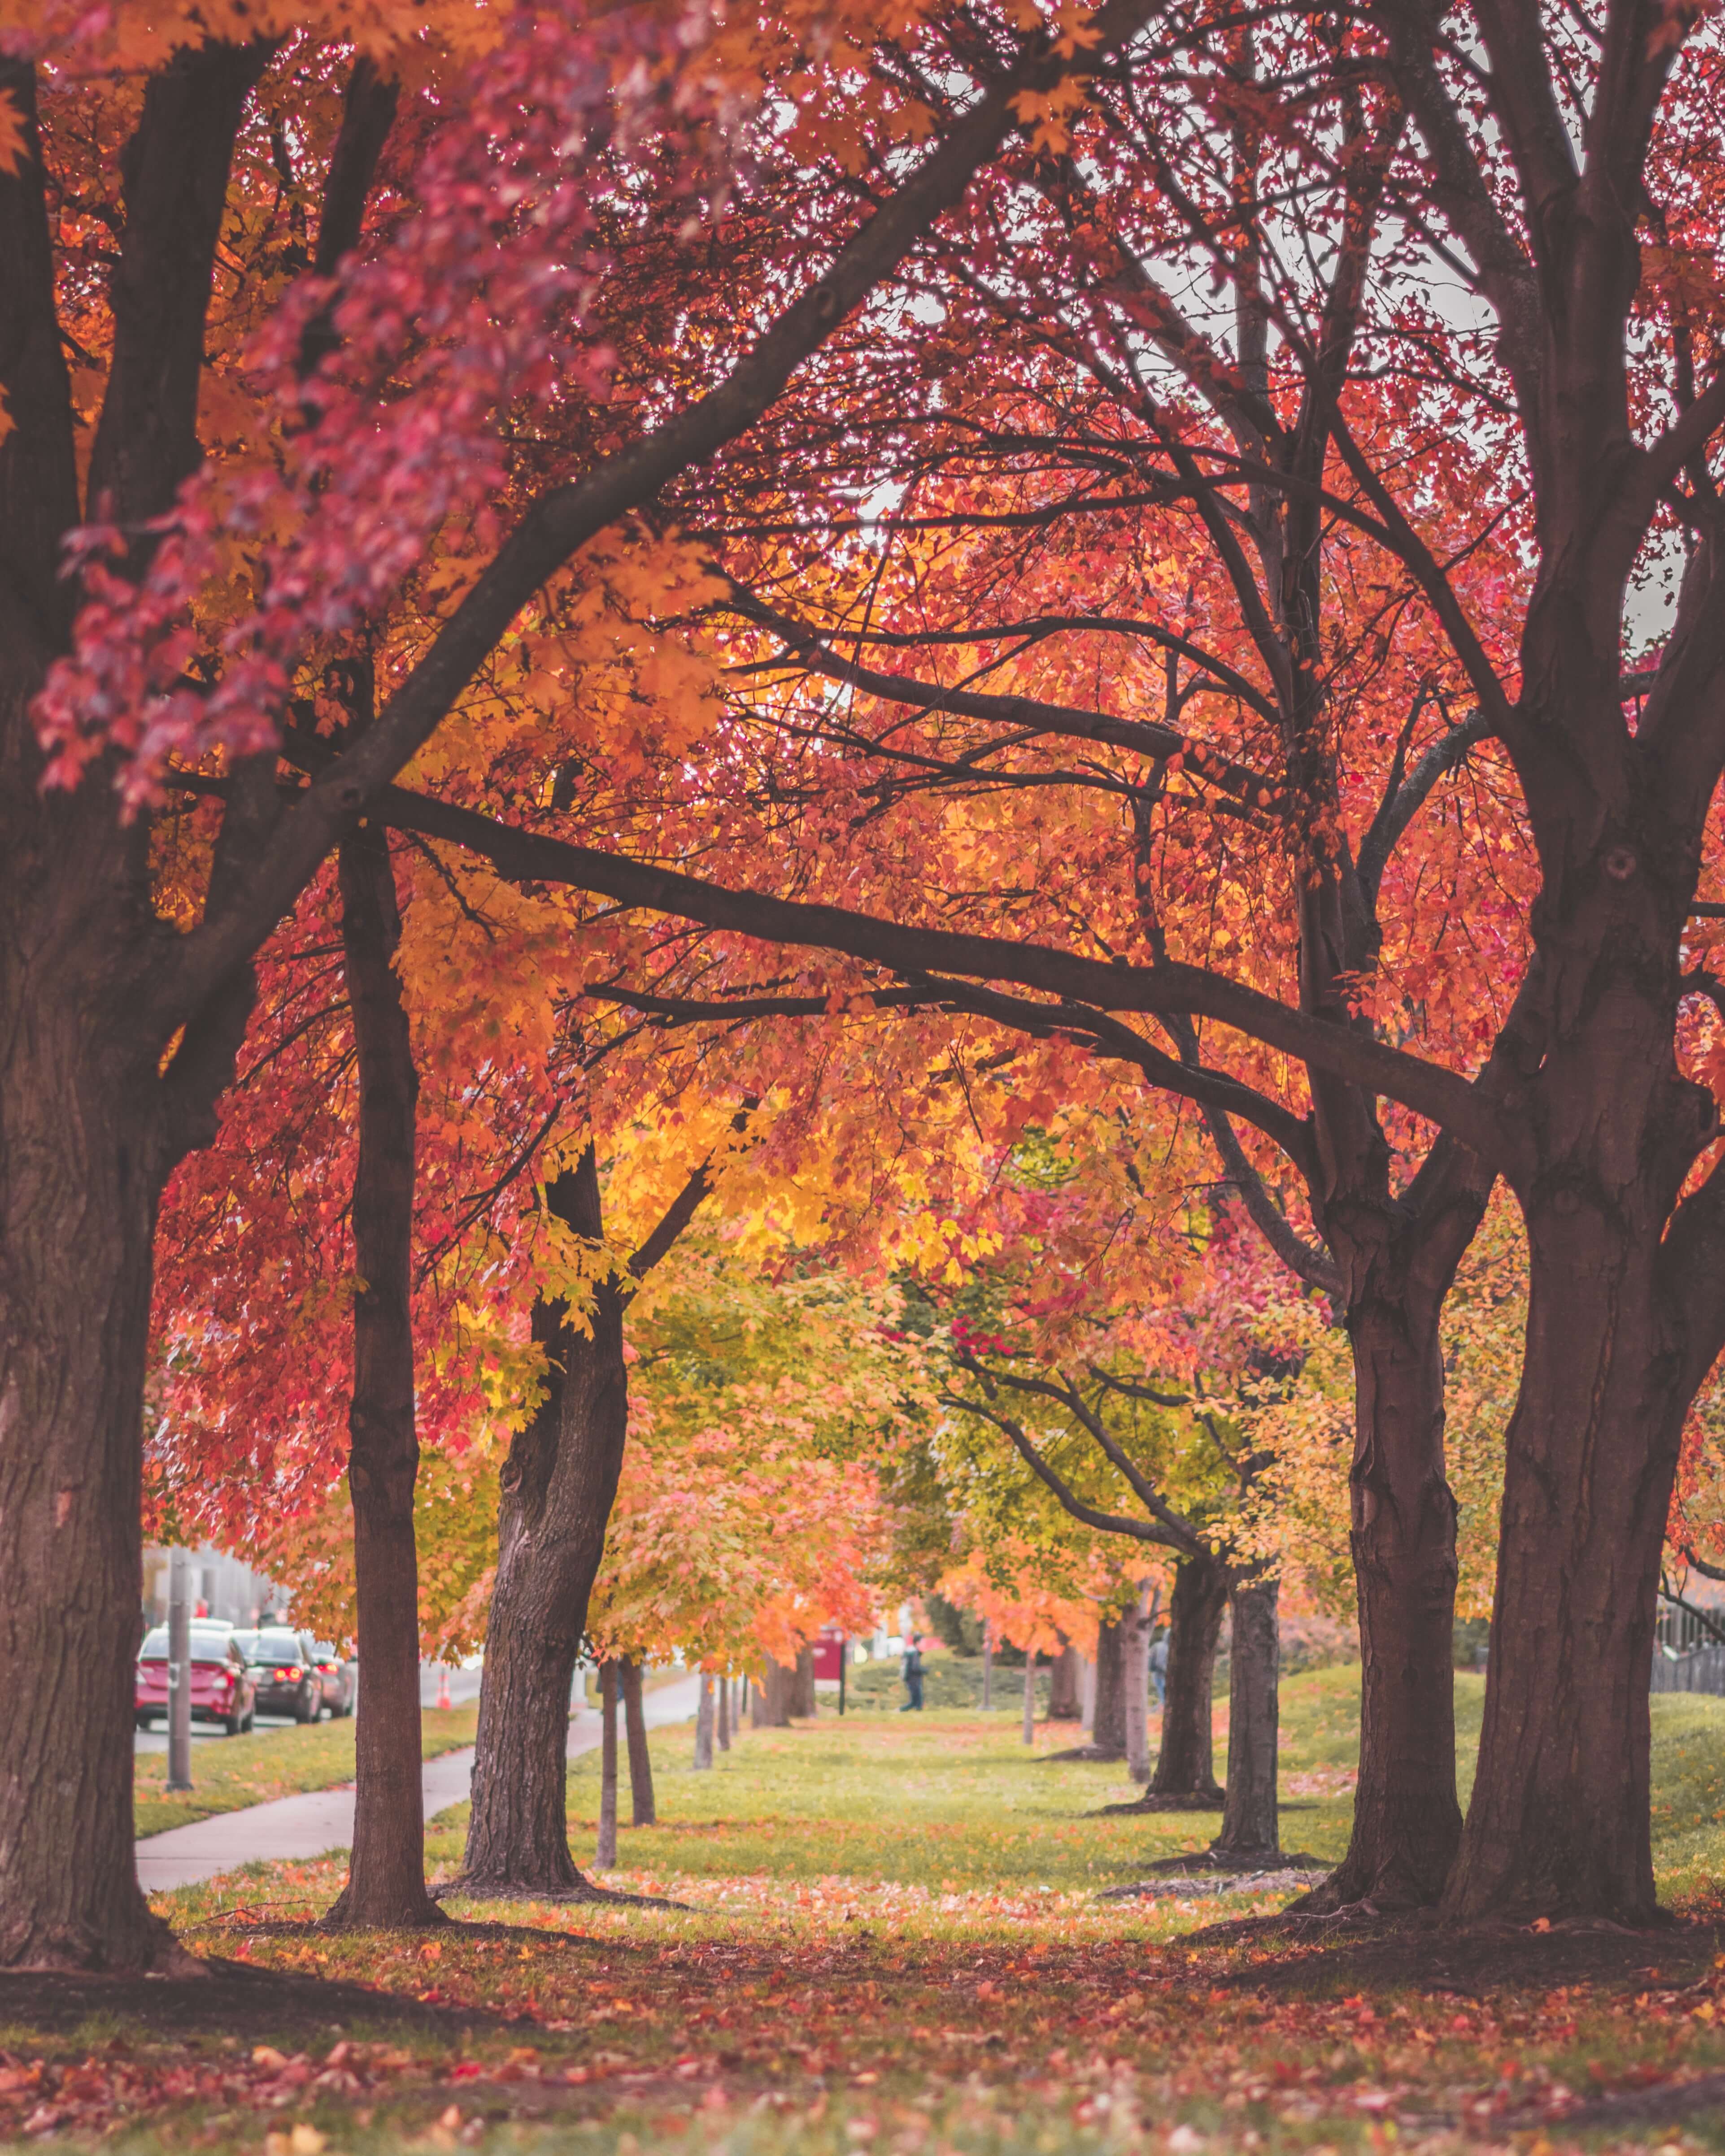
829,1654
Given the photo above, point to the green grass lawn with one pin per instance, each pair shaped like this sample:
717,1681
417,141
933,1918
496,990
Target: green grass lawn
946,1803
894,1939
229,1773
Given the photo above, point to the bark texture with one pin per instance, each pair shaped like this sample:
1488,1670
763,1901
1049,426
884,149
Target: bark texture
642,1811
1185,1766
803,1704
605,1853
1406,1823
94,1112
704,1726
723,1729
1559,1824
558,1485
771,1706
386,1872
75,1292
1107,1734
1135,1672
1250,1832
1063,1686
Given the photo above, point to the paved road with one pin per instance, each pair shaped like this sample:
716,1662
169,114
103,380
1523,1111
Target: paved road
464,1684
322,1820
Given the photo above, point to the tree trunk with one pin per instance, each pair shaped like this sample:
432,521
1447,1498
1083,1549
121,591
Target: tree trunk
723,1730
91,1129
605,1855
773,1698
79,1197
642,1811
1407,1824
801,1700
1087,1692
1251,1832
704,1726
386,1872
1029,1696
1107,1734
1134,1662
1063,1686
1185,1767
1559,1824
558,1485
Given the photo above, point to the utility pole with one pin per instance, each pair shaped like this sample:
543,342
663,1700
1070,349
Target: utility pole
179,1671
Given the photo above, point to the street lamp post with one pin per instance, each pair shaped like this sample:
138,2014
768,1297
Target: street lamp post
179,1672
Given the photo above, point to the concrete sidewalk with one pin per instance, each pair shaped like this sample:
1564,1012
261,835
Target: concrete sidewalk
323,1819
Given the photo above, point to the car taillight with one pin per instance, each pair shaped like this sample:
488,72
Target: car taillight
292,1675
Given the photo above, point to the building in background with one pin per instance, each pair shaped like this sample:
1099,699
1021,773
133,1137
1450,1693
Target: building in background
225,1587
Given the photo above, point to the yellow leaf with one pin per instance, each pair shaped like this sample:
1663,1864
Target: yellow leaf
13,142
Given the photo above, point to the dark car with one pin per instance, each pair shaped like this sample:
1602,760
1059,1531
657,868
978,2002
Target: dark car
340,1678
222,1685
284,1665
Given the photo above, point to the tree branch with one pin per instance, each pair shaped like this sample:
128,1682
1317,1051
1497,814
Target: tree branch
39,467
1402,802
565,518
1442,1095
1464,195
175,169
1180,1532
1109,1523
1065,720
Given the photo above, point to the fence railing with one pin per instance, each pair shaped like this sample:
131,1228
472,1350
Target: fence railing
1701,1670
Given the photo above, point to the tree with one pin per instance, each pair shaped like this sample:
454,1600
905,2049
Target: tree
1300,1515
769,1401
1053,1290
1007,1397
1185,1773
183,638
1529,158
559,1486
1258,649
386,1873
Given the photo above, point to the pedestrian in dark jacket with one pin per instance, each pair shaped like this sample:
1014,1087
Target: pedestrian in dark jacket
912,1675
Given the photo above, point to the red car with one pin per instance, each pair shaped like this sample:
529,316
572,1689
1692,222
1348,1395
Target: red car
222,1687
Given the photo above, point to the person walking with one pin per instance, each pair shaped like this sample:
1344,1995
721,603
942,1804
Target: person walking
1159,1665
912,1673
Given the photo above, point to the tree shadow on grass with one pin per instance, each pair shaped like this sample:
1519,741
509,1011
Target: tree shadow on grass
1365,1950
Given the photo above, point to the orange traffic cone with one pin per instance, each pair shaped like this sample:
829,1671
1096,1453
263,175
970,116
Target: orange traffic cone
443,1684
